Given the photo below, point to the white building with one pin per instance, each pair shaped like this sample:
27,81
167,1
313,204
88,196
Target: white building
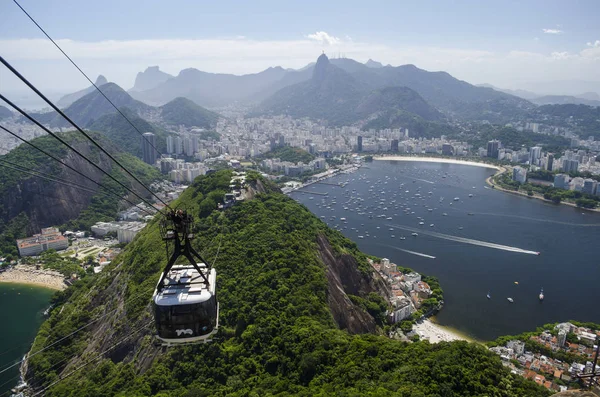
519,174
50,238
411,279
517,346
561,181
402,310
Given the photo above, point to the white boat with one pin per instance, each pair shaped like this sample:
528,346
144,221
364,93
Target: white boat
415,234
456,198
510,300
470,195
542,295
431,225
361,237
402,238
421,223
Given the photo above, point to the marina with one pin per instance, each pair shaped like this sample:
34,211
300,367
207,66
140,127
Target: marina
440,219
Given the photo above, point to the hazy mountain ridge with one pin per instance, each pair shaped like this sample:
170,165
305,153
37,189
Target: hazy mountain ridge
182,111
93,106
587,98
68,99
564,100
150,78
90,111
335,95
5,112
210,89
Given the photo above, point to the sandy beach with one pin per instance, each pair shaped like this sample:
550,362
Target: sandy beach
24,274
435,160
436,333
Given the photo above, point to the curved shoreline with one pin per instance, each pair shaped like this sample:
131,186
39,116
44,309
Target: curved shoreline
436,160
495,186
29,275
440,333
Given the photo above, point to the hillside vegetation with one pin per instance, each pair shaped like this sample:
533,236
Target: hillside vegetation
276,265
30,202
289,153
116,128
182,111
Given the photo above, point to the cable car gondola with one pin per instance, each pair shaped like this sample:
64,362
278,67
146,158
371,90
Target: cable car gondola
185,302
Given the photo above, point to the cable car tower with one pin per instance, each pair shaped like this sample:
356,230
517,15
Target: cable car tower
185,303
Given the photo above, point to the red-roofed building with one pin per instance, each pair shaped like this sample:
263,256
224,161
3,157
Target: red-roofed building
38,243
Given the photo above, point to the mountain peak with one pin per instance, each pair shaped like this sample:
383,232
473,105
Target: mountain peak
101,80
321,67
150,78
373,64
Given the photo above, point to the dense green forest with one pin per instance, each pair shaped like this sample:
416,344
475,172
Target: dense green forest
291,154
513,139
277,336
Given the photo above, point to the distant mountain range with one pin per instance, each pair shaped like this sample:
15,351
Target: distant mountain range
587,98
68,99
564,100
211,89
90,108
333,94
344,83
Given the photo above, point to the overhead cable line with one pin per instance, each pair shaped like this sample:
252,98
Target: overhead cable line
52,178
28,356
53,106
86,76
89,362
18,109
29,171
73,169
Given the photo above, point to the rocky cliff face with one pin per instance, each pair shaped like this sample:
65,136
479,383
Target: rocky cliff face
49,203
344,278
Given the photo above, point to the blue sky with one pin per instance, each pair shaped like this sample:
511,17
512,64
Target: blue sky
505,43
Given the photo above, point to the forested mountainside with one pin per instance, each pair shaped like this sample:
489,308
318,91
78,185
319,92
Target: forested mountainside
301,315
120,132
30,202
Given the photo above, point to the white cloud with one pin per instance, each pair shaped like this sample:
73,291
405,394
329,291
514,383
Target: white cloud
593,43
561,55
552,31
325,38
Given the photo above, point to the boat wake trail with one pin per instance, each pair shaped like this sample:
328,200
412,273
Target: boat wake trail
408,251
423,180
416,253
467,240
